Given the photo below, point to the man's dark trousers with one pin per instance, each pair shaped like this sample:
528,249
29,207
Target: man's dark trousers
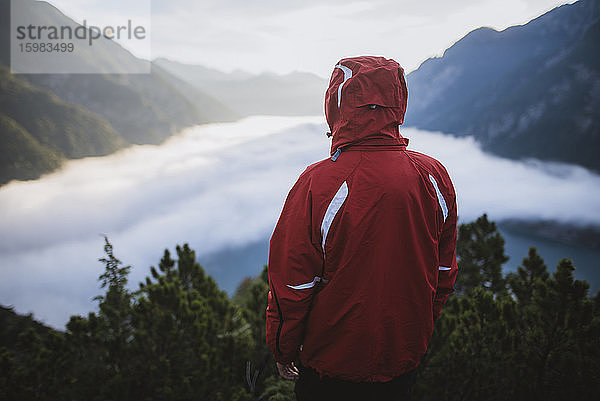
311,387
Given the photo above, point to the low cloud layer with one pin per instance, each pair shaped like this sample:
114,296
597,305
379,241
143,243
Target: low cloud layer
219,186
509,189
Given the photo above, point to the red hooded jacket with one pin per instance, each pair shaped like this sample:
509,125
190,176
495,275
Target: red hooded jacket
363,256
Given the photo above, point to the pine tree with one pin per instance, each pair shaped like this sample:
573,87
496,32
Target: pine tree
561,332
541,342
100,343
526,279
480,250
195,340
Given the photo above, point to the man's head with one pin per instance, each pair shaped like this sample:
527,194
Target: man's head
366,98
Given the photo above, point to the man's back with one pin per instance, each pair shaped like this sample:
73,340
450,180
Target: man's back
363,256
372,316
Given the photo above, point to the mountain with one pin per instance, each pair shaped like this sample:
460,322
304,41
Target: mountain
89,114
528,91
39,130
296,93
144,108
210,108
22,157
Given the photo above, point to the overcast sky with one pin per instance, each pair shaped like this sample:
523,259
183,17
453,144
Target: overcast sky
310,35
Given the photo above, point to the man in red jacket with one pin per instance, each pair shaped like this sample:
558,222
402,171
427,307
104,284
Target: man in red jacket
363,256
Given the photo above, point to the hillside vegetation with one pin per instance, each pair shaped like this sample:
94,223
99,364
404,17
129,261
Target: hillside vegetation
39,131
527,335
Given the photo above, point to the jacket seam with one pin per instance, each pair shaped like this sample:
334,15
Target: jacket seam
278,336
420,168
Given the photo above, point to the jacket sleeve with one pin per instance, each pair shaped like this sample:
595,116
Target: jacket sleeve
448,267
295,266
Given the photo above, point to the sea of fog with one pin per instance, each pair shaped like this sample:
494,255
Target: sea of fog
220,188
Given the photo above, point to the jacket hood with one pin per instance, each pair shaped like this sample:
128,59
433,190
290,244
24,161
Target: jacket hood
366,101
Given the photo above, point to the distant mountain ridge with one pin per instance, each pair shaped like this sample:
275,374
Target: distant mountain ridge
528,91
296,93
